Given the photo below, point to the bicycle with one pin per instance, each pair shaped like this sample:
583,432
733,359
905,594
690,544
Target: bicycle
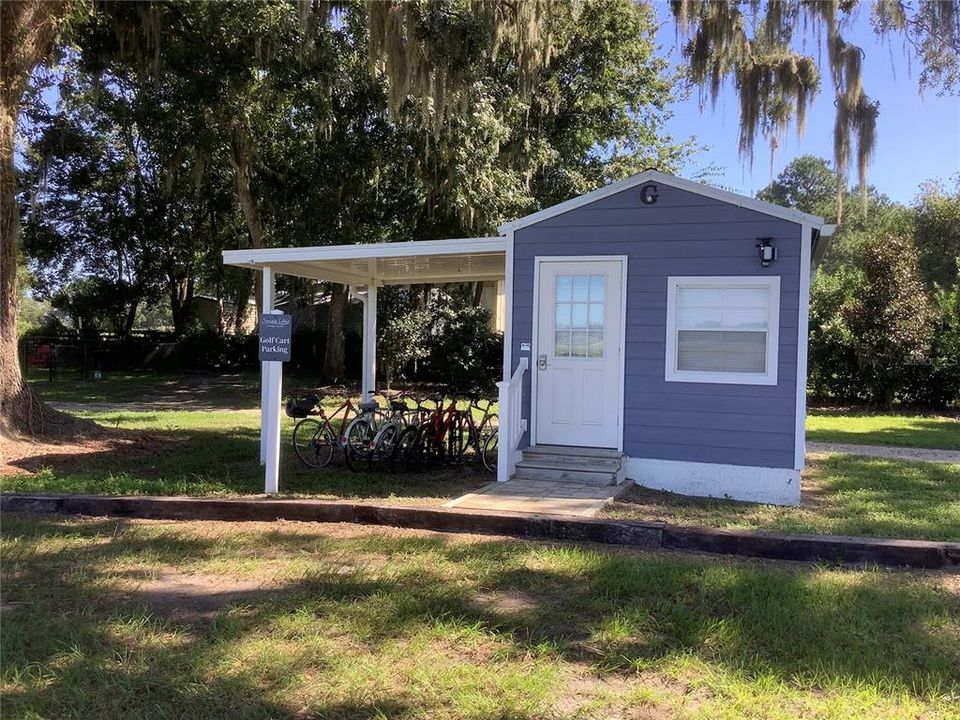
409,452
360,433
467,433
384,442
314,439
483,436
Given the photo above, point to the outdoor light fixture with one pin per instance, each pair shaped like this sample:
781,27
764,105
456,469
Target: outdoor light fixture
766,251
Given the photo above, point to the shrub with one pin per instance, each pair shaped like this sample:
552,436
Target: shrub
463,352
936,382
891,318
204,350
403,324
832,352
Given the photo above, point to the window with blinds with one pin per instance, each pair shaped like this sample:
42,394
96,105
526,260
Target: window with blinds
722,329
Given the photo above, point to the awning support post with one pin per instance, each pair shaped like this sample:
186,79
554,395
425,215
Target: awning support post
271,376
369,374
267,306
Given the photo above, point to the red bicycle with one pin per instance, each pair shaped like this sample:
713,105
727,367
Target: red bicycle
316,436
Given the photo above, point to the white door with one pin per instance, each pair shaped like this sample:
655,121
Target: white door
577,360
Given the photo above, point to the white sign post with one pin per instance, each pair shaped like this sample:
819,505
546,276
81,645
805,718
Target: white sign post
276,330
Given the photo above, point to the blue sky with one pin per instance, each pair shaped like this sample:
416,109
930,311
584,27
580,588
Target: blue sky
918,137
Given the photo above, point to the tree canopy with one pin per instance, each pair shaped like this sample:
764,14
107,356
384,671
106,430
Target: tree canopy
184,128
762,47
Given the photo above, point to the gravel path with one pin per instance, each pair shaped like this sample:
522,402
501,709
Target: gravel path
882,451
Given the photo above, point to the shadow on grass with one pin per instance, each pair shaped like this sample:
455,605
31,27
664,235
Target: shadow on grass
186,391
619,612
224,461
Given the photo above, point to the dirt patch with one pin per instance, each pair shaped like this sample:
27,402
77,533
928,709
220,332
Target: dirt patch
27,455
638,696
507,603
191,598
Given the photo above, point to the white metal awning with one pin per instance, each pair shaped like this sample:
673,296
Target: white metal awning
401,263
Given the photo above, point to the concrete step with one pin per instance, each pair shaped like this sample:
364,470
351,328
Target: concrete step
584,466
570,462
581,477
585,452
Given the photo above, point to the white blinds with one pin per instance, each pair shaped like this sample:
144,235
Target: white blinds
722,308
722,328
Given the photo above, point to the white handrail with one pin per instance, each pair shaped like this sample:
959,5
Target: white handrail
512,425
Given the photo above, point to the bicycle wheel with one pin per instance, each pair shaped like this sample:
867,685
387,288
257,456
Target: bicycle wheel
458,436
489,450
313,443
382,449
406,450
356,444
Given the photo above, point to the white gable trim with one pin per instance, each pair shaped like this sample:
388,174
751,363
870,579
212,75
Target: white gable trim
659,177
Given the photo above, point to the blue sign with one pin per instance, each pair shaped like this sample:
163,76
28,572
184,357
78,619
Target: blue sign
275,333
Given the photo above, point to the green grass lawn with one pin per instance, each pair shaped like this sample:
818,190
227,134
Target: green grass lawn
141,386
841,495
215,453
120,618
241,391
865,428
207,453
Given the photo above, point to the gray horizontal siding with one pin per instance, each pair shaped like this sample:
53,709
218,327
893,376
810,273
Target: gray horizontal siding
631,199
655,216
683,234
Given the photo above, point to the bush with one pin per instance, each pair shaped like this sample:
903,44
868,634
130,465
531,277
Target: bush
403,325
878,336
891,317
206,350
462,351
832,352
936,381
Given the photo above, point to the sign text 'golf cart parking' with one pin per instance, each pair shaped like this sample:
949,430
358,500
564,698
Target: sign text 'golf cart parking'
275,332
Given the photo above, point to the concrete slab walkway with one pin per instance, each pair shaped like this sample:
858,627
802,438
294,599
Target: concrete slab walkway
886,451
543,497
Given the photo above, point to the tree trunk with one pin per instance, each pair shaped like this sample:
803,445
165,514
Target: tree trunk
181,297
221,322
131,318
27,32
241,300
240,162
477,293
334,351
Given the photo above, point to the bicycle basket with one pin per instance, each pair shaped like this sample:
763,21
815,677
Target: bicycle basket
302,407
369,406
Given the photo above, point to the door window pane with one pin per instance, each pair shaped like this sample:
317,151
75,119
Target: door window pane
598,288
578,345
581,288
595,319
563,316
579,307
595,344
579,320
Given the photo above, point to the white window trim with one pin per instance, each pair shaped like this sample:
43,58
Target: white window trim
771,283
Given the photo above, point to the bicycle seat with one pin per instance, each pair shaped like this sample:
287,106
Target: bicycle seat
398,405
302,407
